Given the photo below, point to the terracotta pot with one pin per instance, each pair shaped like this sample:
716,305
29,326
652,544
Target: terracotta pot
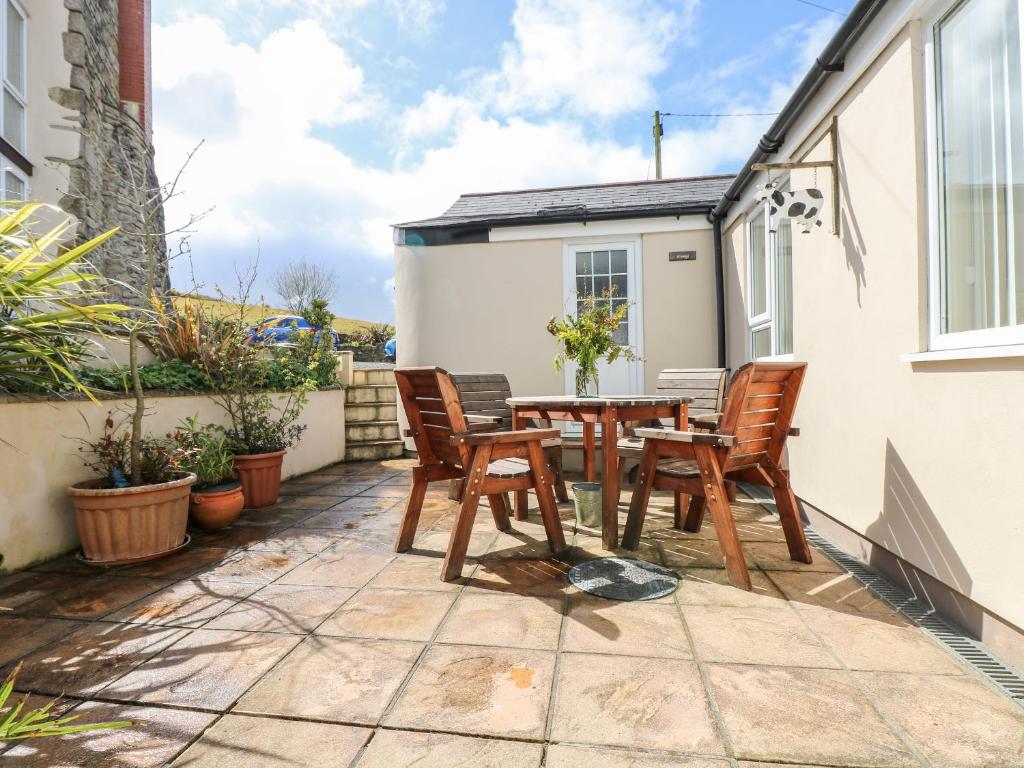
130,524
217,506
260,476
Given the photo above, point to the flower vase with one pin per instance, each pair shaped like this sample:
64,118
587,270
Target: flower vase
586,383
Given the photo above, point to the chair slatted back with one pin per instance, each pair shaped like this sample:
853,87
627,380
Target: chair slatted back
432,407
759,412
485,394
705,385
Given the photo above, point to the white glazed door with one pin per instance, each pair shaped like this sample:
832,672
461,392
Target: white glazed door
610,272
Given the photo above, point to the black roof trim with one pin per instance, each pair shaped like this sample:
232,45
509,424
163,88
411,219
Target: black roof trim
832,59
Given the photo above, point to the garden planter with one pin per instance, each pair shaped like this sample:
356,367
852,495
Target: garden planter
118,525
260,476
217,506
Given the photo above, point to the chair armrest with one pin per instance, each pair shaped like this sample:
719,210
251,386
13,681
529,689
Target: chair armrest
706,421
493,438
697,438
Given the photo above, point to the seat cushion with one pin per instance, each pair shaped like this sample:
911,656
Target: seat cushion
508,468
678,468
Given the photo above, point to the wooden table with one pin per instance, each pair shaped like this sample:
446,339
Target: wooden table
609,412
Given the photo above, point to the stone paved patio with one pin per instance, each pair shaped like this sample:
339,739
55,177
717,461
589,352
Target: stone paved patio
297,638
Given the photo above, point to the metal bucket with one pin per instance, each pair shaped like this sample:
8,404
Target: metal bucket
587,499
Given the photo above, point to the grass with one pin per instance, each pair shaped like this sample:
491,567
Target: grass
257,312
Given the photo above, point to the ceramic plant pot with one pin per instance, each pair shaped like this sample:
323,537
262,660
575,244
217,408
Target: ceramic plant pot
260,476
217,506
119,525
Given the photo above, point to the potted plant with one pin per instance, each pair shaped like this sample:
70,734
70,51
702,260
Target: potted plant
588,337
137,507
216,499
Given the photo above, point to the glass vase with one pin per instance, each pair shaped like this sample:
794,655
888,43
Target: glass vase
586,383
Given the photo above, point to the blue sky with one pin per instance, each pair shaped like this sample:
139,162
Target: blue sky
324,121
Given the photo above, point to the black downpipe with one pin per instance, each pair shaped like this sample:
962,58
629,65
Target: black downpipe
716,225
831,60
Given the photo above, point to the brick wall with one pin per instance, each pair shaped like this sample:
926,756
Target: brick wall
133,53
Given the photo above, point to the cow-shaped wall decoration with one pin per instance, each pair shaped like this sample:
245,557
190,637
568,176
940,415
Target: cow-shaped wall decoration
802,206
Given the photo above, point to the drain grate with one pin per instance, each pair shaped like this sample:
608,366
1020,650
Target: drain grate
970,651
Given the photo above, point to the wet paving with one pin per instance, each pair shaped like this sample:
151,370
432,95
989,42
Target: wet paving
297,637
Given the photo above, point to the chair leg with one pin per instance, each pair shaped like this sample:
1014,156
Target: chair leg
463,528
622,471
407,531
680,502
555,459
499,510
721,515
641,496
789,514
730,490
546,498
522,504
695,514
455,490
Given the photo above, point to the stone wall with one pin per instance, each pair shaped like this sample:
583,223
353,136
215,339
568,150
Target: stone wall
114,173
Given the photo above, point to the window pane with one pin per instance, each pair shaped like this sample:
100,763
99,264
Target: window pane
621,335
783,315
620,286
618,259
601,285
14,187
583,263
600,262
981,166
761,343
758,274
15,48
584,286
14,121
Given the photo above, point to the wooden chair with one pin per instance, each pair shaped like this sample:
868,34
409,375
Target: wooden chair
489,463
747,446
484,399
707,388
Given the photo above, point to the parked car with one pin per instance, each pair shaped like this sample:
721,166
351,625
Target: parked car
280,329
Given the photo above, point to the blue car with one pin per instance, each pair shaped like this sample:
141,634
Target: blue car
281,328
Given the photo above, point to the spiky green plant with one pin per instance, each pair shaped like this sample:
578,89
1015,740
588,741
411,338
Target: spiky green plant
48,304
38,722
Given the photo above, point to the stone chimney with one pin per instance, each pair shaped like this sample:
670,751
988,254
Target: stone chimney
133,52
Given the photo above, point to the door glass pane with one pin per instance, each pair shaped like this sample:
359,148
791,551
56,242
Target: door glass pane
583,263
758,273
761,343
15,48
981,167
14,187
783,315
619,287
14,121
618,262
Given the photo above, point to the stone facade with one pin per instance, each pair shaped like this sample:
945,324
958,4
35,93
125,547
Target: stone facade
114,174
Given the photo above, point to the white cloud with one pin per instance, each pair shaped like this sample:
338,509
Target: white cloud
596,57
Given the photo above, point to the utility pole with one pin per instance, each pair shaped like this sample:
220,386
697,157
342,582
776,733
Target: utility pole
658,133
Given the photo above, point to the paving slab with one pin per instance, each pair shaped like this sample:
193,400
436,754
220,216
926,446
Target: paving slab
237,740
334,678
411,749
390,614
595,625
567,756
480,690
633,702
512,621
290,608
189,603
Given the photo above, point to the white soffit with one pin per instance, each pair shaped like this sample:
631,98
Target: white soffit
603,228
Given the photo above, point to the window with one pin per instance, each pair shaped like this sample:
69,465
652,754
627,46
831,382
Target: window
12,105
603,274
770,286
978,263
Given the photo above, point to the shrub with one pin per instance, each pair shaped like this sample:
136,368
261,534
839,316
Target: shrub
189,334
174,375
109,456
46,306
374,335
203,452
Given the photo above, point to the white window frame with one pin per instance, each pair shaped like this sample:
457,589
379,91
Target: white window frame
961,340
6,166
8,86
765,319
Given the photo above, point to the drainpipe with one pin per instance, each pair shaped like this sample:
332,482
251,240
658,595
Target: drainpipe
716,226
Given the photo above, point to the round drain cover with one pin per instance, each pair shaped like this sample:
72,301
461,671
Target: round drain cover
620,578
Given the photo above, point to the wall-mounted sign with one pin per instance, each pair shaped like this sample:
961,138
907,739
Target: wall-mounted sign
801,206
682,255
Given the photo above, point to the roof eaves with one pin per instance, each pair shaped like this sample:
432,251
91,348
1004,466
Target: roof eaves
692,209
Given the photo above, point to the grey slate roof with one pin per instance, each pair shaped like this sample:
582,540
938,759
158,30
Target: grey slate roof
580,203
